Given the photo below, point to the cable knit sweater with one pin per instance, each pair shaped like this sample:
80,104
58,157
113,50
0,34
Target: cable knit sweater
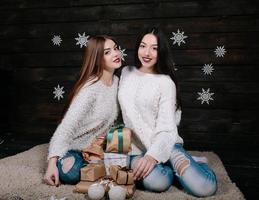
91,113
148,107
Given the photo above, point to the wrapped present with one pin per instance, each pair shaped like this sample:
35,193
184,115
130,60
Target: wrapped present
92,172
100,140
121,175
119,140
93,152
82,186
122,160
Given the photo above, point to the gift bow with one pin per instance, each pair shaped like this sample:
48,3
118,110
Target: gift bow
115,174
120,136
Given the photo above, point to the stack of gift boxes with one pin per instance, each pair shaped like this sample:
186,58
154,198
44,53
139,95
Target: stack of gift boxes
110,167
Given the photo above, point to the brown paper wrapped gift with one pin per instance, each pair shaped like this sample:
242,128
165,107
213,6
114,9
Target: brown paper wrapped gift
82,186
119,140
121,176
93,152
92,172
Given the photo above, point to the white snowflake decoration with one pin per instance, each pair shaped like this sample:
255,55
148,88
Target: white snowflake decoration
82,40
58,91
207,69
178,37
56,40
220,51
205,96
122,53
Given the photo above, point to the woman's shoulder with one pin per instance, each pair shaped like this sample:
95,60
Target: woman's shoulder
90,83
127,69
166,82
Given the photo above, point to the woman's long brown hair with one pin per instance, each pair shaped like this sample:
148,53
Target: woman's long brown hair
92,67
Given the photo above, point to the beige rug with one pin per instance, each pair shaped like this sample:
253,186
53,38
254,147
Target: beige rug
21,175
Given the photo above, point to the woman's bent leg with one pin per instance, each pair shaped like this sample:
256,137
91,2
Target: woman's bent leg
159,179
69,167
196,178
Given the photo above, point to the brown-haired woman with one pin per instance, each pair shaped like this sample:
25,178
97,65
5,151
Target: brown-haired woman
91,111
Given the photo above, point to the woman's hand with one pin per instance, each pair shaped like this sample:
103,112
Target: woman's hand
51,176
143,167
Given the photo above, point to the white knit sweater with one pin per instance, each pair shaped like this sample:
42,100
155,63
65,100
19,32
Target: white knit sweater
91,113
148,104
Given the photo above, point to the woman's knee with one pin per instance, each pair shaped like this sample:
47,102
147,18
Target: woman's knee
200,186
159,180
205,190
69,168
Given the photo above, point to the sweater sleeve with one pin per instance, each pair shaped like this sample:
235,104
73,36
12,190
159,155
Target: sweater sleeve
65,132
166,132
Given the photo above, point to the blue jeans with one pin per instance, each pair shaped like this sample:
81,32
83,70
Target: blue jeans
196,178
73,175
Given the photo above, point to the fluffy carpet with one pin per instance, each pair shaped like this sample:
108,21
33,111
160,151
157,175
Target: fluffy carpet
21,175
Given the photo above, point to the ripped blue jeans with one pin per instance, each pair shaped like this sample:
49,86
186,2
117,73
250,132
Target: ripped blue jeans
196,178
72,176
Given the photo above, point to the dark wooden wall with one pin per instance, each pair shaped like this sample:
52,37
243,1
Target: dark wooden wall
31,67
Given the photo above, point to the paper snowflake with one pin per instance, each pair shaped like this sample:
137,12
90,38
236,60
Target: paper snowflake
207,69
56,40
58,91
220,51
178,37
82,40
122,53
205,96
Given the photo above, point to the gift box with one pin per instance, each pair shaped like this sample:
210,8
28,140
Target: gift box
110,159
119,140
93,152
121,175
92,172
82,186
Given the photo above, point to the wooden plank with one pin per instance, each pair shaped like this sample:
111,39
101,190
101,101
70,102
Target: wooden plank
122,27
154,10
243,77
181,57
198,120
240,7
222,99
245,40
30,4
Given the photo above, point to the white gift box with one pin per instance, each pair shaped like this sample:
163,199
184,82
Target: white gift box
122,160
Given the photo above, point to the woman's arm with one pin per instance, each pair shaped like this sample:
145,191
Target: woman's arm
77,111
51,176
166,132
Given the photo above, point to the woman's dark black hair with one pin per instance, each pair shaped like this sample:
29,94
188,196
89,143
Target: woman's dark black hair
165,64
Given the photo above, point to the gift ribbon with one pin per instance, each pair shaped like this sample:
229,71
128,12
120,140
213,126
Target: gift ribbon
124,169
120,136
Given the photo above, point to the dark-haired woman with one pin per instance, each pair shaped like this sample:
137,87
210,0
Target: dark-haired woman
92,110
149,100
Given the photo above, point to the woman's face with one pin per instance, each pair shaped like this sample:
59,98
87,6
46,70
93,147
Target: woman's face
147,52
111,55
